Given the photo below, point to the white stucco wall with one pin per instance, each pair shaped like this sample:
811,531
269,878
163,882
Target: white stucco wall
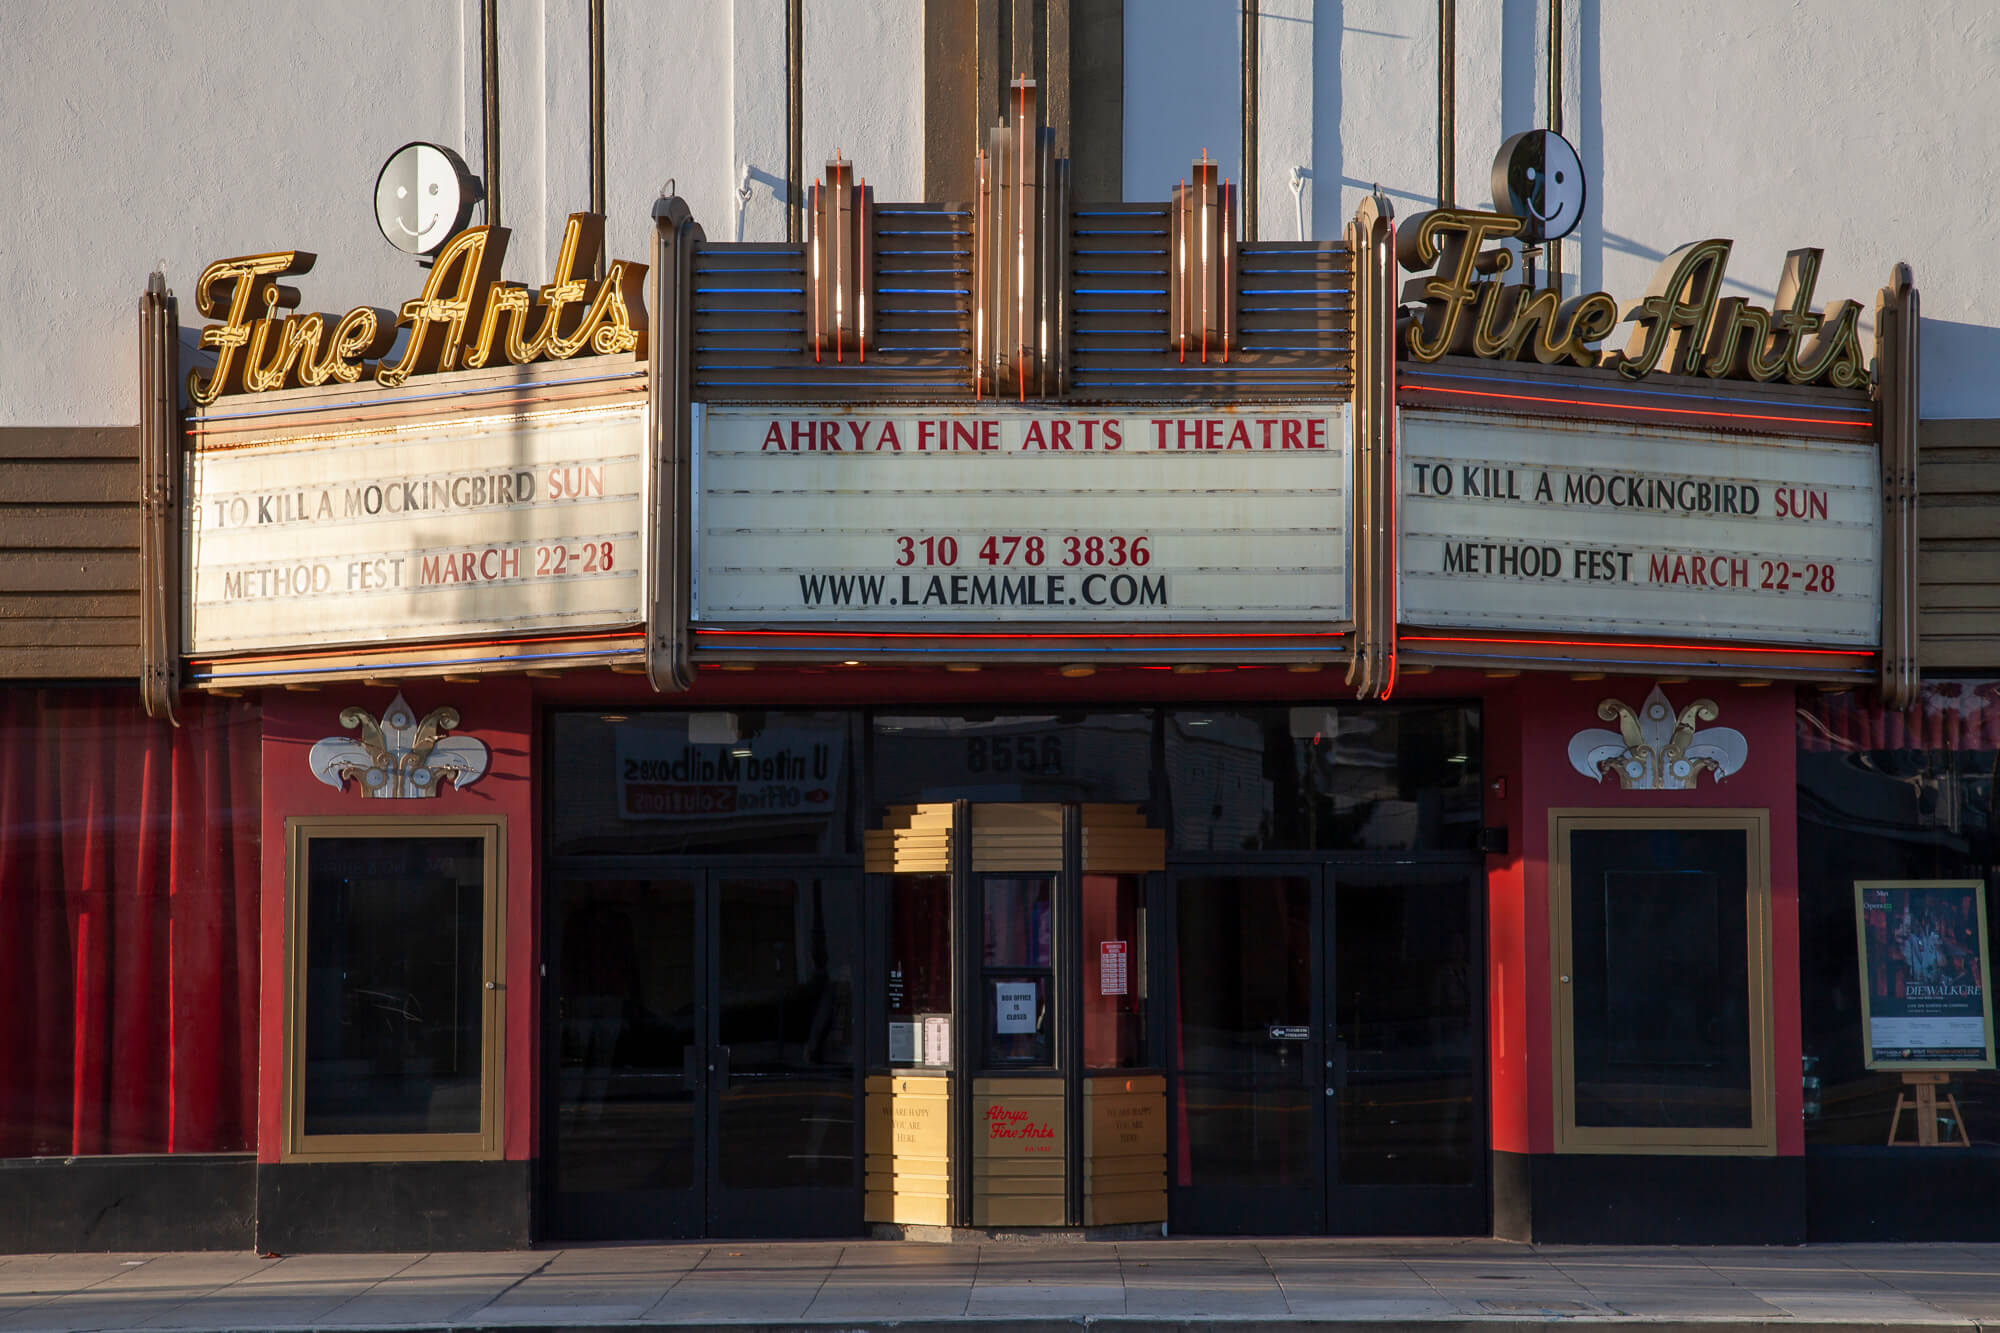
1863,127
182,133
175,132
863,93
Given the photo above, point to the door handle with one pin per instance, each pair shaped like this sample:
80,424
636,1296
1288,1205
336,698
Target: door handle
718,1065
1337,1065
691,1065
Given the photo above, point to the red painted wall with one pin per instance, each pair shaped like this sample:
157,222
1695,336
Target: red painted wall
1529,726
500,713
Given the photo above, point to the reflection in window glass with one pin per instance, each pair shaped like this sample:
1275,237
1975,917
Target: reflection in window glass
1405,1012
1886,795
1018,979
752,781
919,969
1019,757
1242,1020
788,950
1659,951
625,1009
1324,777
394,983
1114,971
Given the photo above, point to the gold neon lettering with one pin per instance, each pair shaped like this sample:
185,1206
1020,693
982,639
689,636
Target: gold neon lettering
1737,343
1450,239
464,272
363,332
231,338
1834,354
619,313
583,238
1495,319
509,301
1675,312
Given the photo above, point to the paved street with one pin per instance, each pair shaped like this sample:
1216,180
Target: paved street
862,1285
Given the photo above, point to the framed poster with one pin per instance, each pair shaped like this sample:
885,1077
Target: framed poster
1925,1002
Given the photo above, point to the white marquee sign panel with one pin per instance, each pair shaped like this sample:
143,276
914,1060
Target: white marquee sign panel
437,531
922,515
1613,529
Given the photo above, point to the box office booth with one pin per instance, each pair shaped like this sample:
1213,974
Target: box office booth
1010,717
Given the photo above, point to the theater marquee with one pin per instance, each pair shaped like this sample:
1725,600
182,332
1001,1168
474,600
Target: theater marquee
952,514
1607,528
481,526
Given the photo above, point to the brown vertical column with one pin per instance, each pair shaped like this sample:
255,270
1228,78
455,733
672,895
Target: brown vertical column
1074,50
1203,288
1898,314
837,256
491,109
1554,248
951,93
597,185
1250,71
160,500
1447,193
795,152
1097,100
668,507
1052,48
1020,248
1371,238
489,106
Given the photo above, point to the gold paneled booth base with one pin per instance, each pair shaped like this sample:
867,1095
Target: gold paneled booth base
907,1138
1124,1149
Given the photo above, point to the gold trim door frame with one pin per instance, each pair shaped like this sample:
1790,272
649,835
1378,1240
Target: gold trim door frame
487,1142
1759,1138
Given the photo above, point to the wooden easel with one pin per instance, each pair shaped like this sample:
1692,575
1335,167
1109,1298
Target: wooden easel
1925,1104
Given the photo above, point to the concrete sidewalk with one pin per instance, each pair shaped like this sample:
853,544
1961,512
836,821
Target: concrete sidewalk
1015,1288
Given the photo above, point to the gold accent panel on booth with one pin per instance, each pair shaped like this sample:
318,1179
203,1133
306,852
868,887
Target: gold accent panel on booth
1116,841
1016,837
913,840
907,1137
1017,1153
1124,1149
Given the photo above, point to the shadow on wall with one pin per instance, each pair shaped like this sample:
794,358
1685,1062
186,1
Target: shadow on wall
1957,367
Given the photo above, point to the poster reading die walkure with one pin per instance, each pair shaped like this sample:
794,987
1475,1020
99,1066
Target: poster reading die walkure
1925,1002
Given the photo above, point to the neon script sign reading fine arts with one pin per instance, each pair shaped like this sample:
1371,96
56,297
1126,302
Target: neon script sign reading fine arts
466,317
1685,325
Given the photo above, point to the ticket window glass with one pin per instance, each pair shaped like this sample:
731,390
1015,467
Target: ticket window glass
1017,951
393,989
1113,994
1017,954
1663,982
919,994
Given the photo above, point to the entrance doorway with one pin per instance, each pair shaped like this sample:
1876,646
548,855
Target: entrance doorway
703,1028
1325,1050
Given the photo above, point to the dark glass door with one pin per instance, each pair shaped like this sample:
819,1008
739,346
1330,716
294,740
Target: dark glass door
1407,1052
705,1080
627,988
784,1099
1244,1051
1326,1051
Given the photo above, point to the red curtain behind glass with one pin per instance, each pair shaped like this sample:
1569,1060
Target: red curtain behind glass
1948,715
128,925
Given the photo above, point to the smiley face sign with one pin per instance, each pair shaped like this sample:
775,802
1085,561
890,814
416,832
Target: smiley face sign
1538,179
423,197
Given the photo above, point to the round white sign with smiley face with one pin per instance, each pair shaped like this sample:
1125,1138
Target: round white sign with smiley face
1538,179
423,197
